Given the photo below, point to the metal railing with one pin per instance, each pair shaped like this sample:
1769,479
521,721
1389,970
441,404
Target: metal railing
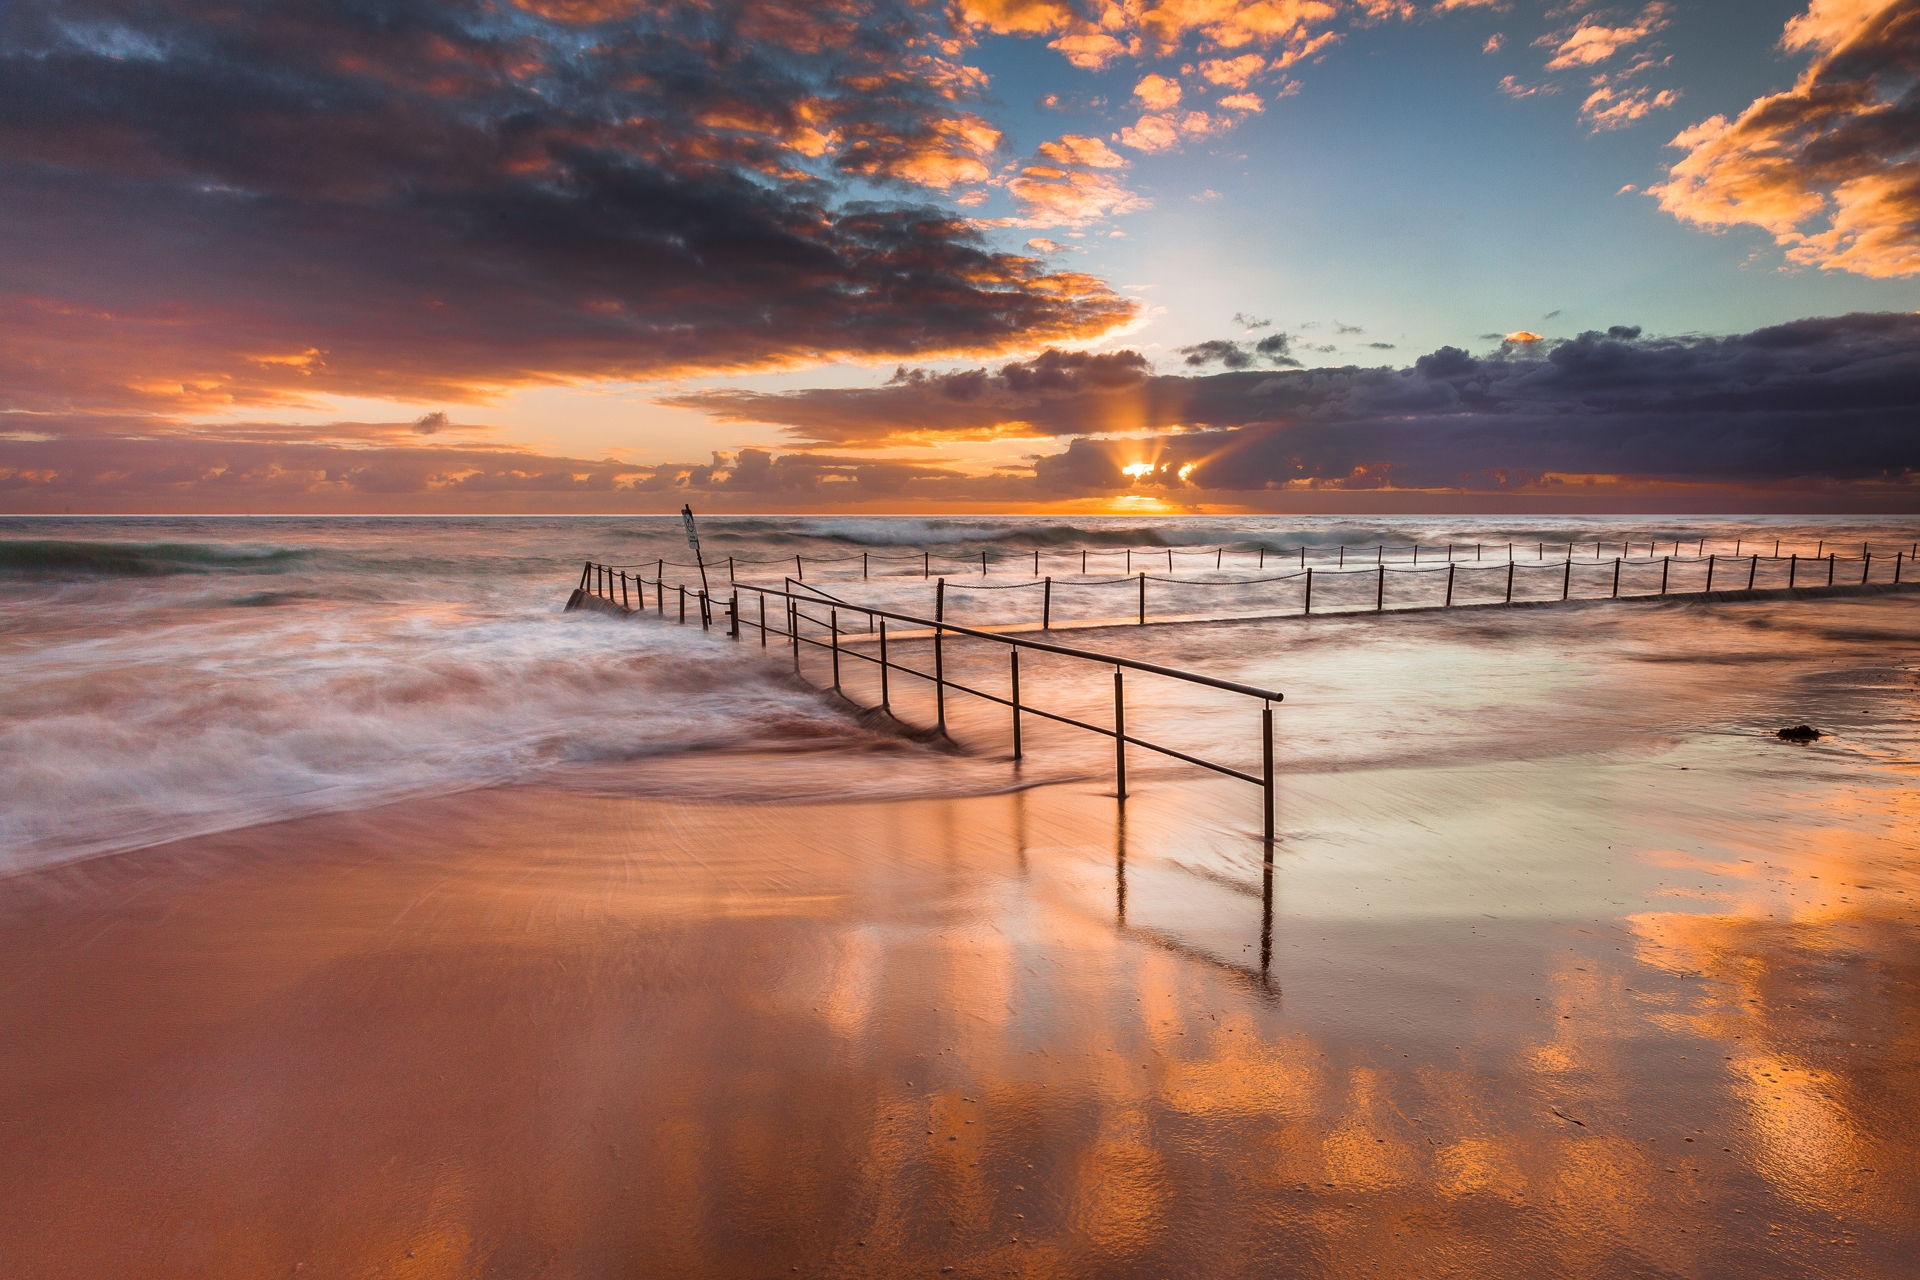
613,587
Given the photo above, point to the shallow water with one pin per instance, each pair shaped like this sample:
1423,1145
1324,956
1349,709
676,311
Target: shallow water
169,677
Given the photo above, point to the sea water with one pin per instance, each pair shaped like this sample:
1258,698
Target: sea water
168,677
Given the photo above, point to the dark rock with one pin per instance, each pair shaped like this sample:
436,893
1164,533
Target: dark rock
1801,733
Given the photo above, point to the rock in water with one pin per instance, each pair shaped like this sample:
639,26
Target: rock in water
1801,733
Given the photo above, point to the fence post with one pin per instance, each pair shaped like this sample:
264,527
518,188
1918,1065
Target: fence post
1013,656
983,562
799,572
625,602
1036,562
793,632
1509,599
1218,553
1129,559
1866,566
763,619
1829,568
585,570
660,582
926,564
1380,590
1046,605
683,602
833,621
1709,590
1309,608
1169,559
1449,603
939,657
1143,599
1616,577
864,572
1666,562
1266,771
1303,555
1752,570
1898,556
886,703
730,574
1119,735
1566,579
1083,564
1793,568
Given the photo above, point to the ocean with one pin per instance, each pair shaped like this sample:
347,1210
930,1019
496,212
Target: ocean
170,677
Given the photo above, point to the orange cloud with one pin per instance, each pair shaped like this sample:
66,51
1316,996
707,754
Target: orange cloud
1077,149
1830,167
1606,109
1591,43
1158,93
1236,72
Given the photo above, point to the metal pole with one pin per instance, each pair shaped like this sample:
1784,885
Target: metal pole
1169,559
1866,566
1266,771
1119,735
1709,590
1343,555
1380,590
1218,552
1416,553
585,570
1083,564
1509,599
1449,603
1898,556
1793,569
1143,599
1666,562
886,703
660,586
1566,579
1129,559
1303,555
939,658
1263,556
1013,656
1036,563
1752,570
799,573
864,573
706,610
625,602
833,620
730,574
1829,568
983,562
1309,608
763,619
793,632
926,564
1616,577
1046,605
683,602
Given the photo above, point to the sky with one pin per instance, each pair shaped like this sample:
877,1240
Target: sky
1154,256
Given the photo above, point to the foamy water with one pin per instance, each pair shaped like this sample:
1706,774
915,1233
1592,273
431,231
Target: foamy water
168,677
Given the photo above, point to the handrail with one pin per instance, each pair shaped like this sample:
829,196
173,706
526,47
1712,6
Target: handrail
608,584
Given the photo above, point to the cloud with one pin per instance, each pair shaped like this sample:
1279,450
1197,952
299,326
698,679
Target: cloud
1158,93
1812,403
1234,72
1076,149
1590,42
1049,196
1606,109
431,423
1242,102
440,201
1514,89
1831,167
1243,319
1494,44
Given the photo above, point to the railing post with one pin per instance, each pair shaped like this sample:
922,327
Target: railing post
1119,735
833,621
799,571
1509,599
1309,603
763,619
1449,603
926,564
1793,569
793,632
939,655
864,570
1866,566
1169,559
730,577
1013,656
1266,771
1566,579
983,562
683,602
1829,568
585,570
1380,589
660,586
1083,564
1046,603
1666,563
733,616
886,703
1709,590
1753,571
1898,556
1143,599
1616,577
1036,562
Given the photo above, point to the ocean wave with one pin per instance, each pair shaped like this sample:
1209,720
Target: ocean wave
43,558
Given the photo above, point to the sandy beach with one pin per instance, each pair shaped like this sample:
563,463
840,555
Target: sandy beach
533,1031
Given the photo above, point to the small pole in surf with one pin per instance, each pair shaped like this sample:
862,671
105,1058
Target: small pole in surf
693,540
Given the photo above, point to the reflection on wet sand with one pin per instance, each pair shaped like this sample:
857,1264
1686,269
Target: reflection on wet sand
526,1032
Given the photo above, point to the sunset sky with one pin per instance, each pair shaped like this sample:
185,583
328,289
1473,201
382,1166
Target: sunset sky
998,255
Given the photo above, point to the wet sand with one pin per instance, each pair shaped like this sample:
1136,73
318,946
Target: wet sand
1505,1026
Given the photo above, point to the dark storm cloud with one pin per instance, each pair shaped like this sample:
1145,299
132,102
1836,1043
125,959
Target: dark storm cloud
1805,402
206,204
